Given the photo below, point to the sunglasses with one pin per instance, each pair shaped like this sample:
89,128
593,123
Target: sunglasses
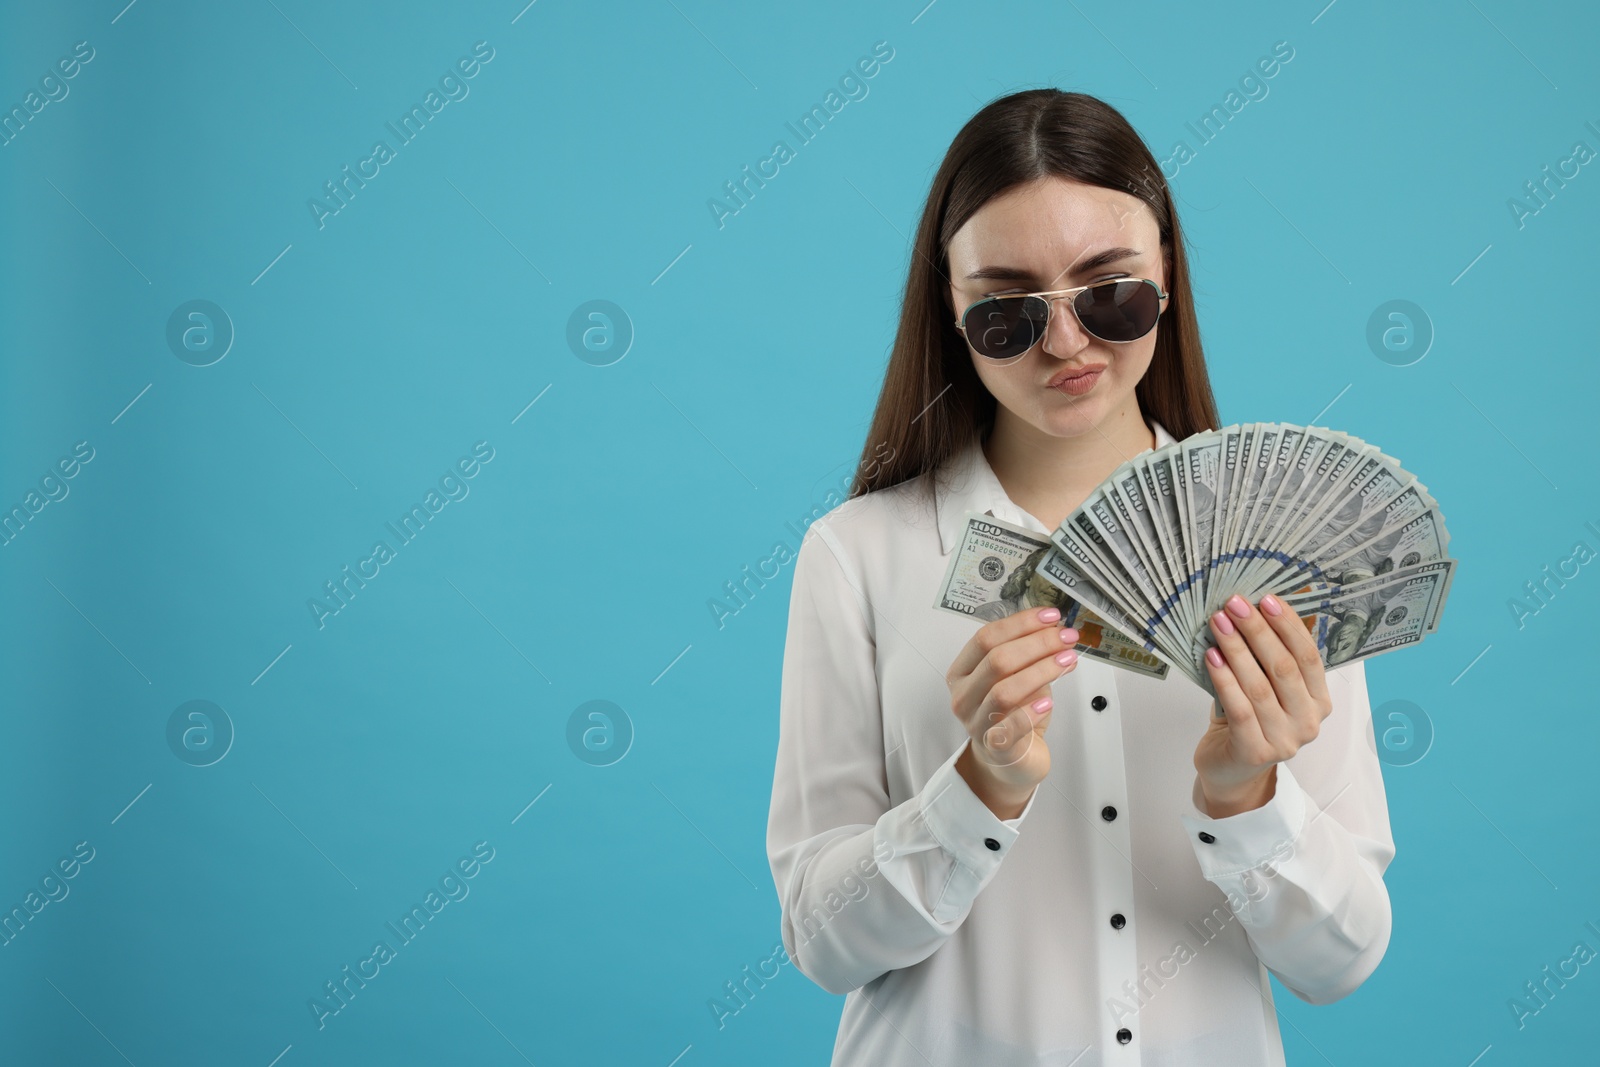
1121,310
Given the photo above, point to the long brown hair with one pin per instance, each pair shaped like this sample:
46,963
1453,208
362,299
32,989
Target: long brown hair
933,402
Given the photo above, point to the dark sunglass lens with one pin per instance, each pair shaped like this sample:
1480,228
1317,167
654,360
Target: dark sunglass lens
1123,310
1002,327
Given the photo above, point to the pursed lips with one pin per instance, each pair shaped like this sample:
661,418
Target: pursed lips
1074,373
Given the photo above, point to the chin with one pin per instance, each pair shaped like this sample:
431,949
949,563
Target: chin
1073,420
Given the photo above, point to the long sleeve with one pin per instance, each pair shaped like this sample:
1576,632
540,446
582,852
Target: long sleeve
864,887
1303,873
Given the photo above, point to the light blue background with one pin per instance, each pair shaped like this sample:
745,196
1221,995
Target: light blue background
427,315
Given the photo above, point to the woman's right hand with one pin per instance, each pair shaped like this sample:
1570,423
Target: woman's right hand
1000,691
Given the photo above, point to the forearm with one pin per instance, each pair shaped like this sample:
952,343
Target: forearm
845,923
1308,892
886,896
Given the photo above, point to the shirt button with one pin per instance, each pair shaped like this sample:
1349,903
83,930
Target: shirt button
994,846
1098,703
1207,838
1118,922
1124,1036
1108,813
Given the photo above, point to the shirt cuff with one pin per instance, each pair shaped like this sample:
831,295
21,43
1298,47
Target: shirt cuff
1249,839
963,824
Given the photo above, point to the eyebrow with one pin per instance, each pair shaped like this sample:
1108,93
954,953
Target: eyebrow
1099,259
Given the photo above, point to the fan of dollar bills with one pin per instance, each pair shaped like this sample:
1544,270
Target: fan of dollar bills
1334,527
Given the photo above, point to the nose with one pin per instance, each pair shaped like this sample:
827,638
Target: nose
1064,335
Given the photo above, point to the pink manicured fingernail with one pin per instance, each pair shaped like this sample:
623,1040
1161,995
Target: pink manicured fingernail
1214,657
1049,614
1066,658
1069,635
1271,605
1224,624
1239,606
1041,706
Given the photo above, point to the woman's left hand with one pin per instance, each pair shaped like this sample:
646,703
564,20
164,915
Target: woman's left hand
1272,695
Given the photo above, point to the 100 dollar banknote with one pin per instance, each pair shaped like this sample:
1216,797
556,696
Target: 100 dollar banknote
993,573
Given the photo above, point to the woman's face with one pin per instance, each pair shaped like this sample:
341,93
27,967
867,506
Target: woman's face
1055,233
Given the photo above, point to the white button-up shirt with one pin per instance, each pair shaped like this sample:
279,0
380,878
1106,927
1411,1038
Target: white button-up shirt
1112,922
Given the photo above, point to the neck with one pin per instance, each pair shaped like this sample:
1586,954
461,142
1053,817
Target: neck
1048,476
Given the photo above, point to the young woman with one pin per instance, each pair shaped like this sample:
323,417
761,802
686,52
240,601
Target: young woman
1119,894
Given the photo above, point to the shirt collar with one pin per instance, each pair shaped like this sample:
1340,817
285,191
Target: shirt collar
972,486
